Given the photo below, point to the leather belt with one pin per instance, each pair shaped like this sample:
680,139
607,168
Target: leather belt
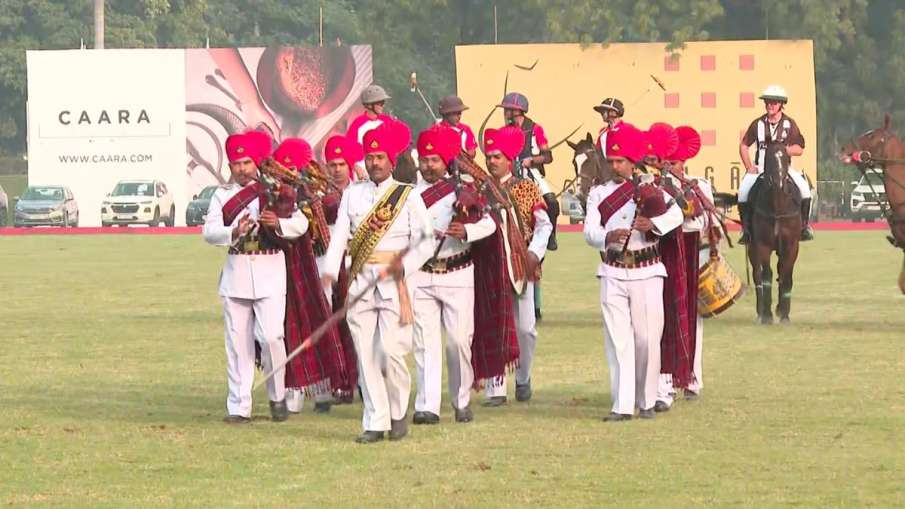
235,251
449,264
632,259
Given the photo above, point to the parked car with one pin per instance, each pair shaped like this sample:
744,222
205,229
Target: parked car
196,210
139,202
4,207
865,199
46,206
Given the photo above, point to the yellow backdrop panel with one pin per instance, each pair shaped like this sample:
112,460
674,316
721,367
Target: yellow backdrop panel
711,86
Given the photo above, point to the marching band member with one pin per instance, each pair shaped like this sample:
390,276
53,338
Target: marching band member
253,281
341,154
316,370
506,265
378,220
444,287
625,221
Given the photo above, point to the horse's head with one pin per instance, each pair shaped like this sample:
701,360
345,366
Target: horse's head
590,167
873,142
776,163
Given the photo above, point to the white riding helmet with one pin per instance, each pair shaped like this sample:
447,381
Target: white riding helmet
374,94
775,93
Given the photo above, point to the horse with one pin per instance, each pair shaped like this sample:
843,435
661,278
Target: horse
881,148
775,227
590,167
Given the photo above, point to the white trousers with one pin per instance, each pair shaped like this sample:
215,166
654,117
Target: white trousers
525,327
247,321
665,391
382,344
439,308
744,189
632,326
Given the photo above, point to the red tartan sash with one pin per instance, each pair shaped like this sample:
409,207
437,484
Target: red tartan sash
236,204
612,203
437,192
677,341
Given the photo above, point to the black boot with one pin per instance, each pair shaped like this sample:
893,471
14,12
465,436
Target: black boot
743,214
806,232
553,213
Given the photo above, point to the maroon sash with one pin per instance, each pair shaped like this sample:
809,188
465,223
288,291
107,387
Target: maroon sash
236,204
324,367
677,341
494,349
437,192
612,203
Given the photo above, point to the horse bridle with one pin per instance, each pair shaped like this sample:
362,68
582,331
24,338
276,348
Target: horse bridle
868,161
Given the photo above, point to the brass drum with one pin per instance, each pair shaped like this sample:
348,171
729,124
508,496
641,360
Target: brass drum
719,287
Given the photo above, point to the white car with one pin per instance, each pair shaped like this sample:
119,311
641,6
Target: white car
139,202
865,199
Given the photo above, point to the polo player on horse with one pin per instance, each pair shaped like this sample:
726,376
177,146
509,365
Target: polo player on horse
774,126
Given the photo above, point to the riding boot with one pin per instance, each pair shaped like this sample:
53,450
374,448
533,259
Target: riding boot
807,233
744,217
553,214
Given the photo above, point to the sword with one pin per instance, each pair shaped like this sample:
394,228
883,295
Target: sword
318,333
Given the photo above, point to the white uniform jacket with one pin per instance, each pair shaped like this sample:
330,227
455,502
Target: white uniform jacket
595,234
249,276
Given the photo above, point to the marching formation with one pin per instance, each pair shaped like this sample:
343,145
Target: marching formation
338,270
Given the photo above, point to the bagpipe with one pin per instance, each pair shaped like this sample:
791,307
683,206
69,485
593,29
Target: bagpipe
285,189
693,202
506,210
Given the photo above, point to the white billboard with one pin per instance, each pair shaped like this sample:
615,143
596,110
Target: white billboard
100,117
96,118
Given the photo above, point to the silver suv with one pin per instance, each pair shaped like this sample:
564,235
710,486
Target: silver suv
47,206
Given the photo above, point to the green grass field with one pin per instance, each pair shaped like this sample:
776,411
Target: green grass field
112,387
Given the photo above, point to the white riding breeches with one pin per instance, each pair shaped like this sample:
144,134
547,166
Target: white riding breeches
744,189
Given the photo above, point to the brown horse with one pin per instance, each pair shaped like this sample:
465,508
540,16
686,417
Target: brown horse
881,148
590,167
775,227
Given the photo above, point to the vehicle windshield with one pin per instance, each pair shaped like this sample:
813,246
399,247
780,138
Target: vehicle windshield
876,179
133,189
207,192
43,193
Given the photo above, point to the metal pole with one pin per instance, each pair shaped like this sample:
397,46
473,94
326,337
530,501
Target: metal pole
98,24
495,39
322,26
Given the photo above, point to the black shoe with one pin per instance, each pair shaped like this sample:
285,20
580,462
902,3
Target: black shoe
523,391
279,412
743,240
322,407
614,417
646,414
464,414
236,419
398,429
538,316
369,437
494,401
691,395
425,418
551,243
807,233
661,406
